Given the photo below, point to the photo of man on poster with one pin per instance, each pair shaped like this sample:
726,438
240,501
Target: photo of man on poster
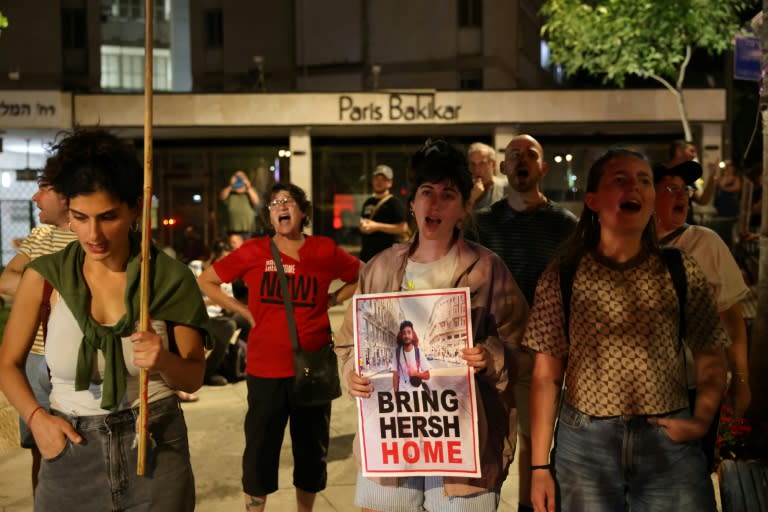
410,369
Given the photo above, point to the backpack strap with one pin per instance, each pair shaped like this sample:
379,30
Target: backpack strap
674,234
45,308
673,258
566,291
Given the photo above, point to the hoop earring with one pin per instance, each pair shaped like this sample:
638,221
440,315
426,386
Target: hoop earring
413,214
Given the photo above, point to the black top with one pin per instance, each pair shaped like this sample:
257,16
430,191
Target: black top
526,241
392,211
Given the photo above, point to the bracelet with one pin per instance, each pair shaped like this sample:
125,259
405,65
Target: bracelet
741,376
541,466
32,414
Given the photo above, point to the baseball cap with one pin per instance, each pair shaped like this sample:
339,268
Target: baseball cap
690,171
384,170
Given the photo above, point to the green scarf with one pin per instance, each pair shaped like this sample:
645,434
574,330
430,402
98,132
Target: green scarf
174,297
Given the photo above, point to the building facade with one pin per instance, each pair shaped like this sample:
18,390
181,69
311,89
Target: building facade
315,92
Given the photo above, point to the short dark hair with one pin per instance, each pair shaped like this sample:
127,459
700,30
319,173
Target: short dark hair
438,161
219,248
679,144
89,159
298,195
399,337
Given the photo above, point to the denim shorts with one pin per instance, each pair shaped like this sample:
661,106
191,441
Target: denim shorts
419,493
617,463
99,474
37,375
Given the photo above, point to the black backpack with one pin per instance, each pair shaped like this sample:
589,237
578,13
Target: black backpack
673,259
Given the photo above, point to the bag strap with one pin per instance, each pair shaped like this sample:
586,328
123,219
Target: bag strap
378,205
45,307
286,300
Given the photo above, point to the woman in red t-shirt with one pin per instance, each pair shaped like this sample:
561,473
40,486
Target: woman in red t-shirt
311,263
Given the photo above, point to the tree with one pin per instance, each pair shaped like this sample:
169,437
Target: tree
644,38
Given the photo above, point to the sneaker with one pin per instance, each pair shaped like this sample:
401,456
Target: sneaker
216,380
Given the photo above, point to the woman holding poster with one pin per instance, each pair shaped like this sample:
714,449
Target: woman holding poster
439,257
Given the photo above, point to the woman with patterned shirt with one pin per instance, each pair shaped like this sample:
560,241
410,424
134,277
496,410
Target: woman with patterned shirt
626,437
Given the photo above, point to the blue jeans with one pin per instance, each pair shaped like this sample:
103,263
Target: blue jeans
99,474
626,464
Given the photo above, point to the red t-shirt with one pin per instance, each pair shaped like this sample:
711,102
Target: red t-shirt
320,262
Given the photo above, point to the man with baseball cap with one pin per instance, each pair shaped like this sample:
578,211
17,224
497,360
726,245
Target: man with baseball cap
383,219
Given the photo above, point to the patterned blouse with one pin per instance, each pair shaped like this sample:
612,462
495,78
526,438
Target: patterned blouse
624,357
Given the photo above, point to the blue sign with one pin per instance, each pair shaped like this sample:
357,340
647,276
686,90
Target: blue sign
746,61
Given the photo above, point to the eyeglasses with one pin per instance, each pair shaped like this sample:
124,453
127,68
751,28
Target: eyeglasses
676,191
280,202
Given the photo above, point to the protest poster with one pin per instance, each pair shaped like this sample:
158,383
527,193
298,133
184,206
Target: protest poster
421,418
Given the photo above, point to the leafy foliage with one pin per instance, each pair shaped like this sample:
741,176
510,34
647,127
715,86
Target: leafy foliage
646,38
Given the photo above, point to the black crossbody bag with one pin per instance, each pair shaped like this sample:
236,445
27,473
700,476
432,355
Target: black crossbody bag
317,373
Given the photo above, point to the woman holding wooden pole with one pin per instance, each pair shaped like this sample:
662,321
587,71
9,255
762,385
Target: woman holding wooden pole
88,438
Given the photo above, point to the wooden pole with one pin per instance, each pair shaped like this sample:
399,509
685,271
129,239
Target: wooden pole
146,220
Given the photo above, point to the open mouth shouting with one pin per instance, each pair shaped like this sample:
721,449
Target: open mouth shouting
432,222
630,206
679,208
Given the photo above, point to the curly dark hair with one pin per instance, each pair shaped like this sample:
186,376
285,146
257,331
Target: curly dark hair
89,159
298,195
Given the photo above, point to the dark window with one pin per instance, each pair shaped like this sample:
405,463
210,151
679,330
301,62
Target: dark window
214,28
471,80
73,29
470,13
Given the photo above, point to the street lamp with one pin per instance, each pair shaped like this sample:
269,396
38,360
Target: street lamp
375,72
258,60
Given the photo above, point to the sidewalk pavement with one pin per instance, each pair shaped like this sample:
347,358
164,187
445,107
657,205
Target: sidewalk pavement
216,439
216,443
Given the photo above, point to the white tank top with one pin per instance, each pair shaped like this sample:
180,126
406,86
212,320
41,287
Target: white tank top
61,349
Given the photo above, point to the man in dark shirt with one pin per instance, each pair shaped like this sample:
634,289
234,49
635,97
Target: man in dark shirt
525,229
383,219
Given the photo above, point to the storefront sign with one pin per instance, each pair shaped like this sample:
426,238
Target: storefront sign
34,109
402,107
